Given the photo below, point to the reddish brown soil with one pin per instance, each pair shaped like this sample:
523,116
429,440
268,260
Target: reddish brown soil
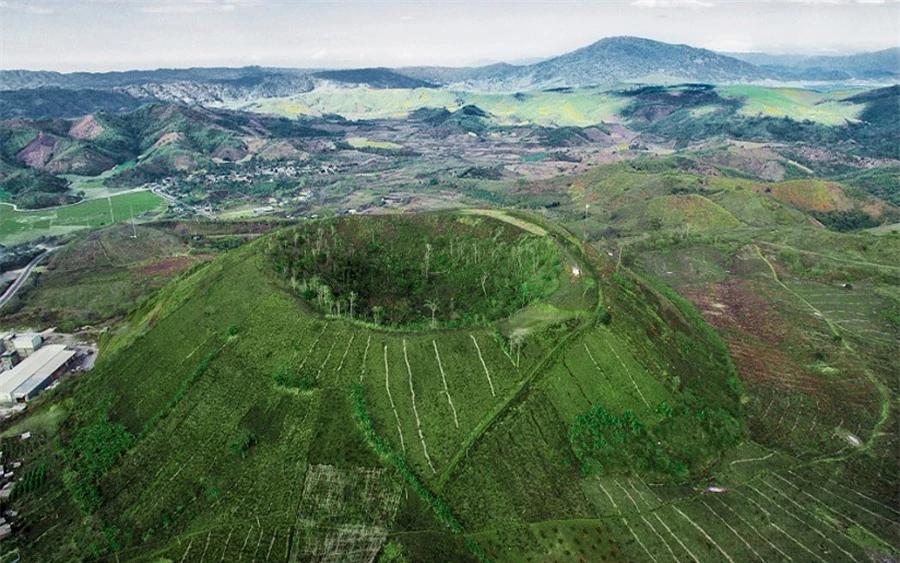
39,151
88,129
733,306
169,266
755,331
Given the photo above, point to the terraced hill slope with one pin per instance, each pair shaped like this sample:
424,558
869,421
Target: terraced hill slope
240,419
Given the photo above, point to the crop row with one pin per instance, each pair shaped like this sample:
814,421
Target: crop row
772,519
431,392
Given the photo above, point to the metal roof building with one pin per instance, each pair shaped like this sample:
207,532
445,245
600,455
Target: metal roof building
34,374
26,344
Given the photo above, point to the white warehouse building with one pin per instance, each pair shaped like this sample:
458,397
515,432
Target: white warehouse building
34,374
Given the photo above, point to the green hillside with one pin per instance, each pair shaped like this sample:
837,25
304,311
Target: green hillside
239,417
230,403
101,275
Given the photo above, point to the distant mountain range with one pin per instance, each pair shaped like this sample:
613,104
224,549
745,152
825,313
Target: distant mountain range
608,61
875,66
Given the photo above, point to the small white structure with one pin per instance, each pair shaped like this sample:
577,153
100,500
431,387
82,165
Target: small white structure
26,344
6,491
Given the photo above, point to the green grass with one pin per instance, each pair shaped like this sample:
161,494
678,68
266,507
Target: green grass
46,421
580,108
363,142
228,464
19,226
691,211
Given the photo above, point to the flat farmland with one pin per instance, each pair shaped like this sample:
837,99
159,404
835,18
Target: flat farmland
20,225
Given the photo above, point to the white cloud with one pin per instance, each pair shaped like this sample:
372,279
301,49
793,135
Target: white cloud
835,2
673,3
36,8
193,6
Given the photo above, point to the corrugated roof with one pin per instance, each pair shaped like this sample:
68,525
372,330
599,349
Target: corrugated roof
41,375
49,357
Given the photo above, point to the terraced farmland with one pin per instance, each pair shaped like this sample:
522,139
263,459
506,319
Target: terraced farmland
264,425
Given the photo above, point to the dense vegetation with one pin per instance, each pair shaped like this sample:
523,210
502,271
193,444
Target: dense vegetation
448,270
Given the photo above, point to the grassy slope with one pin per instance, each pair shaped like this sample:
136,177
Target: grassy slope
651,195
224,455
578,108
198,371
101,275
581,108
796,103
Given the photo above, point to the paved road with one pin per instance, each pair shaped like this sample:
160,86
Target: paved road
23,276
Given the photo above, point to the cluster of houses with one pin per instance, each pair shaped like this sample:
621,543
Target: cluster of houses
28,365
7,478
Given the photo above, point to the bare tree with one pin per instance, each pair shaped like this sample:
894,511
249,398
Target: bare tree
432,304
516,340
484,279
427,260
352,301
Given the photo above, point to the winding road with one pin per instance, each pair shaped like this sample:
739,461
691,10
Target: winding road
8,294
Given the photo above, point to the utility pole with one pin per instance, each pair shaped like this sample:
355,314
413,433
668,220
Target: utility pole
133,229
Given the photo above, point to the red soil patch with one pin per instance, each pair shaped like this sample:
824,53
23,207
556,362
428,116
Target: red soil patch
39,151
87,129
754,332
732,306
169,266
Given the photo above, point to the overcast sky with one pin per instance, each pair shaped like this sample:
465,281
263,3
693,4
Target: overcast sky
71,35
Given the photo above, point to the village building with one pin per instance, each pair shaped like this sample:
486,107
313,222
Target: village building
35,373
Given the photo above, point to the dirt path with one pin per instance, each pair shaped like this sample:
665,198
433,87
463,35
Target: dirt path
412,393
387,386
484,365
501,216
437,355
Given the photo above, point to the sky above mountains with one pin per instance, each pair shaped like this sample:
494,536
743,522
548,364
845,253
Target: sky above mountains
103,35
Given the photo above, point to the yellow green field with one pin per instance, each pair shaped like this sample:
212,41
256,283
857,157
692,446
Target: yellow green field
579,108
827,108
